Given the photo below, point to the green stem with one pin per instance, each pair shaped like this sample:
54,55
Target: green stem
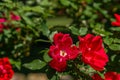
42,40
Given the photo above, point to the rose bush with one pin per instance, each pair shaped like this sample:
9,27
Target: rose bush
59,37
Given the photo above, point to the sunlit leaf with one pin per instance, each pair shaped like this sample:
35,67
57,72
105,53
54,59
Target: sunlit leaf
35,64
115,47
16,63
65,2
74,30
83,30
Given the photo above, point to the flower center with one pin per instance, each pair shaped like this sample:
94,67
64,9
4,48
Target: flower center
63,53
89,49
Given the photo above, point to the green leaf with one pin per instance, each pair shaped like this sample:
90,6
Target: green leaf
74,6
35,64
115,47
108,41
32,29
74,30
46,57
116,40
96,5
83,30
115,28
113,57
7,32
54,77
101,74
16,63
27,20
44,29
42,40
45,3
65,2
51,35
37,9
102,32
18,46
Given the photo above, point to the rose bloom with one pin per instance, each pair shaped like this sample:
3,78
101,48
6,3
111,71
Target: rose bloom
117,22
93,52
61,51
107,76
6,71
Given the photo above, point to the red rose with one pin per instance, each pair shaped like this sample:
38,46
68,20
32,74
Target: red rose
107,76
93,52
6,71
96,77
117,22
61,51
112,76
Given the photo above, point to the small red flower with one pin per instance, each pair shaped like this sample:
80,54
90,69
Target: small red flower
117,22
6,71
2,20
14,17
107,76
61,51
93,52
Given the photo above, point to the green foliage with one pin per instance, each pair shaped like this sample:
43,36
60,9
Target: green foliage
41,19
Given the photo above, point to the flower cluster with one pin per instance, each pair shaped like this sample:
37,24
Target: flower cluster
6,71
90,47
107,76
13,17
